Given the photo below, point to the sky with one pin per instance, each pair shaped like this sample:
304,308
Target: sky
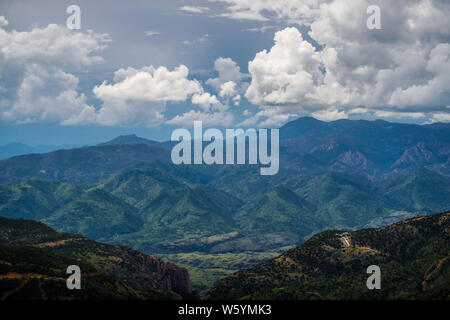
154,66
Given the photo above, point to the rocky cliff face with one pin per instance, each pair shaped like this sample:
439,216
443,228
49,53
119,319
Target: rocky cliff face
139,271
143,270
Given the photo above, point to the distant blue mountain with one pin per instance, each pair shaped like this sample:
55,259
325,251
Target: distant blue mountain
17,149
126,139
378,131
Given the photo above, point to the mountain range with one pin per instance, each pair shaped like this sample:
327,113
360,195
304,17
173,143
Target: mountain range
215,220
374,149
16,149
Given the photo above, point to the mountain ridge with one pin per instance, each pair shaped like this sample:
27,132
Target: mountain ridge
139,271
130,192
413,256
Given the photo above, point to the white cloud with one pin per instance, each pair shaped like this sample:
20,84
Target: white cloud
49,96
213,112
237,100
139,96
201,39
292,73
149,84
221,118
291,11
151,33
330,115
399,115
435,91
262,29
273,117
53,45
441,117
284,74
206,101
3,22
194,9
228,89
228,70
34,63
47,93
404,68
229,82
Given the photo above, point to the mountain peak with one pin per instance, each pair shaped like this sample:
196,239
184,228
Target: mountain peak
304,120
127,139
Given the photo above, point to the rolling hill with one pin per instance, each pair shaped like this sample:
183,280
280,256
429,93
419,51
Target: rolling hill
279,210
413,256
96,214
34,255
417,190
33,273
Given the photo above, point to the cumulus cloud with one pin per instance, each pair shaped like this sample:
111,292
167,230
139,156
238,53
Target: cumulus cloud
49,96
45,91
139,96
402,68
52,45
229,83
150,84
228,89
228,70
435,91
338,69
286,73
35,62
213,113
269,117
221,118
395,66
207,101
292,73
